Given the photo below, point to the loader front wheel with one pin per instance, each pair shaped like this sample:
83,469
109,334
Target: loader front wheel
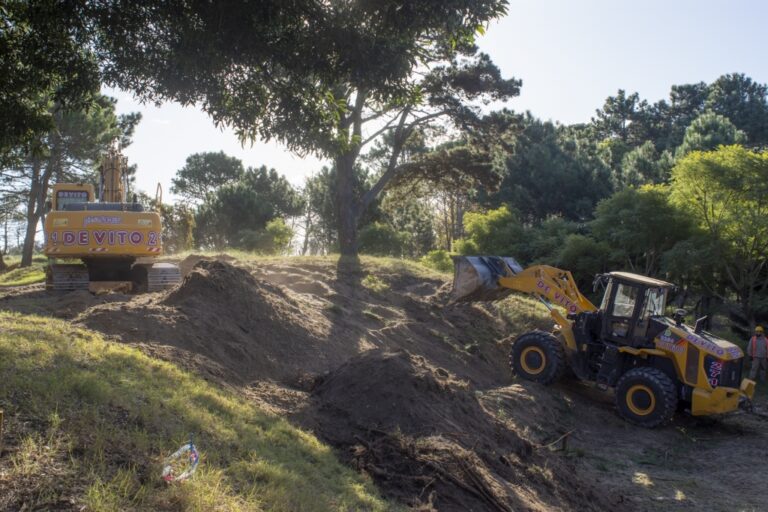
538,356
646,397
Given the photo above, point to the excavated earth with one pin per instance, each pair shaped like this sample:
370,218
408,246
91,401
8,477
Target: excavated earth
416,392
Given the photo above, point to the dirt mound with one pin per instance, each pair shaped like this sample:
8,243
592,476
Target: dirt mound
425,438
187,264
246,325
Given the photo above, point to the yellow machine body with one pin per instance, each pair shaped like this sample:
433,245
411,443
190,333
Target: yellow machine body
96,232
115,239
708,368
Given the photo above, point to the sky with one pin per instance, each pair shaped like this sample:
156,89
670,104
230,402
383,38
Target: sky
570,55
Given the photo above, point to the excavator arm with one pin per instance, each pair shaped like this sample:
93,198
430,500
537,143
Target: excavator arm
478,278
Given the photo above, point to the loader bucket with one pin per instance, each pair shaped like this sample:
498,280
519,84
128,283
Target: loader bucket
476,278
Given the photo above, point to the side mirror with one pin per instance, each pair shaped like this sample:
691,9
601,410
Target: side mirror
48,207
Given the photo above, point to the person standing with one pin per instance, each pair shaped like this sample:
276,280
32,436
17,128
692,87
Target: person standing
757,349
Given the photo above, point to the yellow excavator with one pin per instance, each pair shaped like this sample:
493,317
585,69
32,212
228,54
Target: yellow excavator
655,364
115,240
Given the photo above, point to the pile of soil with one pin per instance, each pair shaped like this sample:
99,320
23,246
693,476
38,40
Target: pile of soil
426,440
257,330
249,327
187,264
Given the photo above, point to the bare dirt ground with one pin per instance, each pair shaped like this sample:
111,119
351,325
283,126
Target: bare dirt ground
417,393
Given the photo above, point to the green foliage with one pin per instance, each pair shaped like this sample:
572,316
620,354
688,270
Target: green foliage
494,232
707,132
642,166
726,193
275,238
549,174
639,226
44,62
178,227
413,217
100,416
23,276
380,239
374,283
203,173
584,257
238,213
438,259
744,102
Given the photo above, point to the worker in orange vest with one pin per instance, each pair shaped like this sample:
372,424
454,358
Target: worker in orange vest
757,349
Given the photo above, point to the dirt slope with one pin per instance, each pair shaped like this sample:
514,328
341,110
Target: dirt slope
417,393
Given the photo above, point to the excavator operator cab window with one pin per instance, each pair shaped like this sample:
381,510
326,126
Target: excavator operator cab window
65,197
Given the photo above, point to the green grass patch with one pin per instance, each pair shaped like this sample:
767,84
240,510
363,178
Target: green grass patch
93,421
525,314
375,283
23,276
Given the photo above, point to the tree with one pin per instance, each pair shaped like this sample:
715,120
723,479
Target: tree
43,61
642,166
274,238
726,193
621,117
494,232
323,77
205,172
231,215
640,226
744,102
382,239
321,215
69,152
547,175
707,132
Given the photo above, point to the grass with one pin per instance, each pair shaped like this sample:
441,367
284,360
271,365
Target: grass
525,314
89,422
371,263
24,276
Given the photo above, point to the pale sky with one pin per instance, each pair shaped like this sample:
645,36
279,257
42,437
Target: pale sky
570,55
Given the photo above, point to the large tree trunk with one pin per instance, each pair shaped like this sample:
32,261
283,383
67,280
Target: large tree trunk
33,216
346,207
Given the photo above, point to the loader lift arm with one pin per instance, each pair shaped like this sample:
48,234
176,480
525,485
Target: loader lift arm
487,278
553,287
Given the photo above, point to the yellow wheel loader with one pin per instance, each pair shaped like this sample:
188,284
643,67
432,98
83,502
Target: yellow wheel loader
655,364
115,240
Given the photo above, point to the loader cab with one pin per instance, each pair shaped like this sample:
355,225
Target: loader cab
629,303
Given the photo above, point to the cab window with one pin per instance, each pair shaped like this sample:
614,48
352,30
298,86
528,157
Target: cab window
64,197
655,302
624,303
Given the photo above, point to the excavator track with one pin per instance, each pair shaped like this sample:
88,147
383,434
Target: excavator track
161,276
66,277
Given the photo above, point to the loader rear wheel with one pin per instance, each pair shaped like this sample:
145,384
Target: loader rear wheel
538,356
646,397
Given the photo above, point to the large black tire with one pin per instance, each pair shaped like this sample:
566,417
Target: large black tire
538,356
646,397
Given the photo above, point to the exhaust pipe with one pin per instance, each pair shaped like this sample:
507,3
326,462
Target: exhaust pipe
476,278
